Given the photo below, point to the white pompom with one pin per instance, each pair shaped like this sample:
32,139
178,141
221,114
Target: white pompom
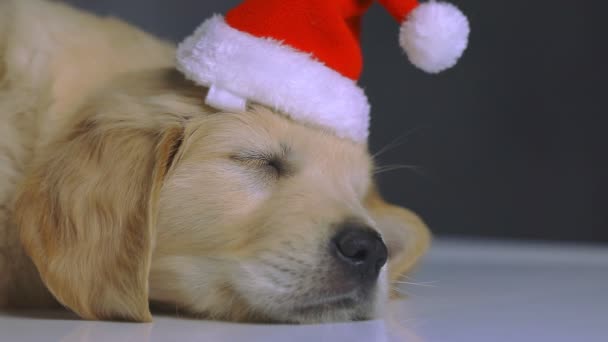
434,36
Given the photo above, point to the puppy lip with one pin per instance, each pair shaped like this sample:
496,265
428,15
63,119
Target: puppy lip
330,304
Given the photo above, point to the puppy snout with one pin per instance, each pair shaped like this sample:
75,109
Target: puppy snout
360,251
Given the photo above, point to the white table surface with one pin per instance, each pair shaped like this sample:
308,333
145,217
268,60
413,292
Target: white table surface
469,291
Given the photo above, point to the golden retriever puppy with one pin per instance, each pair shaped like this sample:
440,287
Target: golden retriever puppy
120,188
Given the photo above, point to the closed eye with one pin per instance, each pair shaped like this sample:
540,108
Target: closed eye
276,163
269,163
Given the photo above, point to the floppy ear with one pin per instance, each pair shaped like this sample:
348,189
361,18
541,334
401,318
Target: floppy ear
405,235
86,214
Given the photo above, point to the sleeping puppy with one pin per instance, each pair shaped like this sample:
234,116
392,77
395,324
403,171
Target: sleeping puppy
119,188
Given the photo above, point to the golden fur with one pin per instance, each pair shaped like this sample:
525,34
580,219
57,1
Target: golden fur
119,187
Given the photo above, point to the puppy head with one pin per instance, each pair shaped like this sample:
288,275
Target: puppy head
237,216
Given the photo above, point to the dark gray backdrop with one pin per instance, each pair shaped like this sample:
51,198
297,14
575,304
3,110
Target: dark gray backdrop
510,143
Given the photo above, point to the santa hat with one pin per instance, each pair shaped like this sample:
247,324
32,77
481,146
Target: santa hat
302,57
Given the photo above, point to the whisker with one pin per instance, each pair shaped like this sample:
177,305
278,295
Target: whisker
413,282
386,168
407,277
399,140
398,290
427,284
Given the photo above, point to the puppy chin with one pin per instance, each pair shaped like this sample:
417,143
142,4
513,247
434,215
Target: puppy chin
355,306
327,314
344,310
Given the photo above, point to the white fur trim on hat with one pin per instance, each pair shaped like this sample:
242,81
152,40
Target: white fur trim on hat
239,66
434,36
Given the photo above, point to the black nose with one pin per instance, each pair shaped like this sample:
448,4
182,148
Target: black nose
360,250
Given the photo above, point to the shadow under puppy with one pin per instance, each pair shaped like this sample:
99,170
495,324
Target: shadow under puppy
127,188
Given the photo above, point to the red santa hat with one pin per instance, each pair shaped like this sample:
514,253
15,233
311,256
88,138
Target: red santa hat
303,57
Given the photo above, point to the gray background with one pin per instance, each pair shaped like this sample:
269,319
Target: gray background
510,143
